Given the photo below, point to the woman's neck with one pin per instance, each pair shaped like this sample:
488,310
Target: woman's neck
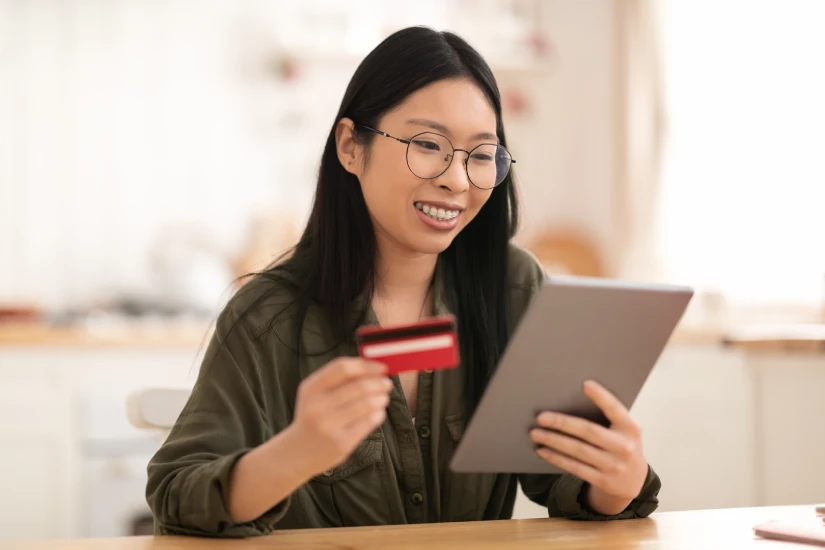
402,286
405,274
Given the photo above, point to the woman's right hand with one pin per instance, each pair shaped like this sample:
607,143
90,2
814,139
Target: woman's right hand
338,406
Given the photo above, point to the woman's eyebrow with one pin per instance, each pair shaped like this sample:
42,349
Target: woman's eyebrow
444,130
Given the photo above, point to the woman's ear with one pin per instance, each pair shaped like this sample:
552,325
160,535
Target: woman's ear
349,151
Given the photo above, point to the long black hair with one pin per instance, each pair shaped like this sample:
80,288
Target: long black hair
334,263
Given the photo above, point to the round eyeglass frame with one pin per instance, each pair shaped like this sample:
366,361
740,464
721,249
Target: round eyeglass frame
466,160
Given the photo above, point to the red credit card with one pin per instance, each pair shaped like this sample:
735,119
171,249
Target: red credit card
431,344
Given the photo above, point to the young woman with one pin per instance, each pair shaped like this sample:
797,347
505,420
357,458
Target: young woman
414,209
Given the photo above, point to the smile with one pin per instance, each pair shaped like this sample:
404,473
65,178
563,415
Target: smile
437,213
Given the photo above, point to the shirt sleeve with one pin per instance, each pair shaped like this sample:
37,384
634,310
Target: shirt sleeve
564,496
188,478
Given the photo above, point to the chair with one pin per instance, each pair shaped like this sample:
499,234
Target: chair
156,408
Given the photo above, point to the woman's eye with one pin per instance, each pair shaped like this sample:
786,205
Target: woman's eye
427,145
482,157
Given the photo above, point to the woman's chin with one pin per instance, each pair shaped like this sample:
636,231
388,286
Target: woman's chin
432,244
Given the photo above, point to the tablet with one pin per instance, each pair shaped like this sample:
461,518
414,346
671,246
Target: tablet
808,531
574,329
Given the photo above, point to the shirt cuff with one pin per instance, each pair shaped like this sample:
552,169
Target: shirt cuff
205,507
569,500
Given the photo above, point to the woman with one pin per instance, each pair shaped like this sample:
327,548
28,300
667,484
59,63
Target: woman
414,209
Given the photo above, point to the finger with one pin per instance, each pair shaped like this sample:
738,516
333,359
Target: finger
342,370
361,428
578,469
574,448
613,409
583,429
360,409
356,390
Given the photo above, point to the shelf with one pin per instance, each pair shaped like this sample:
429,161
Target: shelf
342,59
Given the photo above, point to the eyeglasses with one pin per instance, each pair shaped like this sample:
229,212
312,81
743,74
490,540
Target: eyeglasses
429,155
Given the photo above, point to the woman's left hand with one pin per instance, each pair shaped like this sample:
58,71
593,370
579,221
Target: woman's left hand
610,459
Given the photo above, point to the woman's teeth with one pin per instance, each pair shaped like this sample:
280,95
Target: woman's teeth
437,213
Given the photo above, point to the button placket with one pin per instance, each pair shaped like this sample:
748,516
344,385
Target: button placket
412,464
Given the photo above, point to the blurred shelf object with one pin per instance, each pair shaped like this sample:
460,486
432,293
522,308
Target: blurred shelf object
506,32
20,313
270,234
567,253
285,64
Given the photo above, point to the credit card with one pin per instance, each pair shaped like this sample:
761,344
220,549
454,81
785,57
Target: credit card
431,344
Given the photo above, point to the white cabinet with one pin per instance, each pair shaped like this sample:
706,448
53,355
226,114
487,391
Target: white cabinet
64,438
790,421
726,428
33,437
696,413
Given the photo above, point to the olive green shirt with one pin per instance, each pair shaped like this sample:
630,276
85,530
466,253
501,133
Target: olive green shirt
245,394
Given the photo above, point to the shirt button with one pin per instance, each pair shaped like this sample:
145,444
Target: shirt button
417,498
424,432
329,473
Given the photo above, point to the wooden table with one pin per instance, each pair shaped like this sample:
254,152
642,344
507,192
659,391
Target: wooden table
713,529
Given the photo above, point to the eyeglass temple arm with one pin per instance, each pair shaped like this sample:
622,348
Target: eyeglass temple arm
379,132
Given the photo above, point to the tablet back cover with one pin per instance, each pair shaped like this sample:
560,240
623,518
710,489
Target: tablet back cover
575,329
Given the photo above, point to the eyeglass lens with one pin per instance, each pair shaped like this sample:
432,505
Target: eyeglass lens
429,155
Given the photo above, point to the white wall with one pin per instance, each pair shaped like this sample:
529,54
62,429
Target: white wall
118,118
747,125
122,118
566,157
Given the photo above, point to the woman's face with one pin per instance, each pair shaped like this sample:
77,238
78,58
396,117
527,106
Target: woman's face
423,215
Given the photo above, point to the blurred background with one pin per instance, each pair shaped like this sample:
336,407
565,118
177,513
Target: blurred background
152,151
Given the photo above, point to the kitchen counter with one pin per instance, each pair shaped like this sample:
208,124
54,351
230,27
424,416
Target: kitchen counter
795,338
131,334
784,338
125,334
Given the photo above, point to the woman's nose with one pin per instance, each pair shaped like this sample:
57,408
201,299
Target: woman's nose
455,178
